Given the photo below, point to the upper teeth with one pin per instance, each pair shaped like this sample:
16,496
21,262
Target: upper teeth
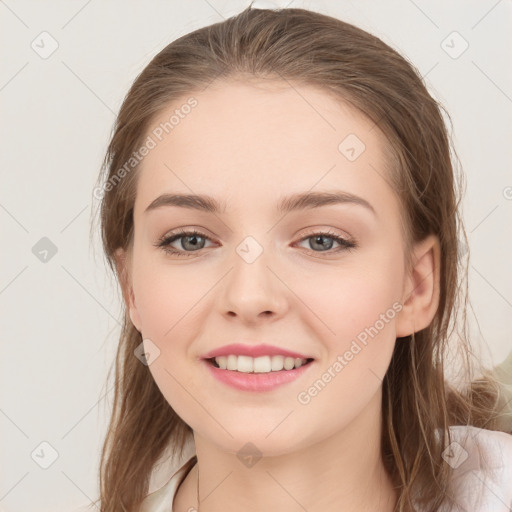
263,364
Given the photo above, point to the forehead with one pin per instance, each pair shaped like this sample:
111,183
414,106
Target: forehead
261,140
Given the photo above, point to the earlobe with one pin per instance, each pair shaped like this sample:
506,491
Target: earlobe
123,272
420,298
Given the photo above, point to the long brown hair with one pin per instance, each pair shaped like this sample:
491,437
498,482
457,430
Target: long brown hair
312,49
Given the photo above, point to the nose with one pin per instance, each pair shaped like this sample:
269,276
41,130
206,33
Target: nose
253,291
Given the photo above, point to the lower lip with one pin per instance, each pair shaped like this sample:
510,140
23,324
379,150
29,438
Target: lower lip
256,381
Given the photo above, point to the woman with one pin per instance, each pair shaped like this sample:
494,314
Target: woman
279,206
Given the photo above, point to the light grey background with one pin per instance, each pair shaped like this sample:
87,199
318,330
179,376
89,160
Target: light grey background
60,318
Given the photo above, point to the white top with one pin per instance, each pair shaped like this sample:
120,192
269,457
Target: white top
161,500
471,451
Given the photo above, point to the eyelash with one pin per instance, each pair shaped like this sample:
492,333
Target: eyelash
165,241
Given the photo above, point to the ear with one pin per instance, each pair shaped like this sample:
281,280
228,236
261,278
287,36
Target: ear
123,271
420,298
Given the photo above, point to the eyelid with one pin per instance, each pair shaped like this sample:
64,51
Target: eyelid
327,232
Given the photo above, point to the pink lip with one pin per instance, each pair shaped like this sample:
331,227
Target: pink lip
253,351
256,381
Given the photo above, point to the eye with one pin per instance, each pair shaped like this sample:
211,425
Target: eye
324,241
193,240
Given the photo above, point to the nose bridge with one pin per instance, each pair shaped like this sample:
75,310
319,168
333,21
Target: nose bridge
252,288
251,267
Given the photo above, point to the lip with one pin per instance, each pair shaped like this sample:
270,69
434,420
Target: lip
252,351
256,382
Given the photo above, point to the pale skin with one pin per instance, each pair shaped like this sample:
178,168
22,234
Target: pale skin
248,145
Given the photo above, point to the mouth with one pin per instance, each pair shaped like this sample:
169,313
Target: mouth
263,364
259,374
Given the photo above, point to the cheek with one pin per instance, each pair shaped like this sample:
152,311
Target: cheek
168,302
171,301
361,308
347,301
165,296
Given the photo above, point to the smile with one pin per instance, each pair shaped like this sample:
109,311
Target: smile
262,364
242,379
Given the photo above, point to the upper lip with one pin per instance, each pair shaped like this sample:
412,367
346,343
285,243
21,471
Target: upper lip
252,351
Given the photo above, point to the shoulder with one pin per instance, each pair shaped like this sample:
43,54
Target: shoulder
482,468
492,445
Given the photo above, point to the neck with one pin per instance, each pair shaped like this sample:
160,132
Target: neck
342,473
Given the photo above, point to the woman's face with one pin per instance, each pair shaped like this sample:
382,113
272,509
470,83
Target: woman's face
258,274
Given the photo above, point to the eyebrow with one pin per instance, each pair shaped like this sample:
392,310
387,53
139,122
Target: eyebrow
300,201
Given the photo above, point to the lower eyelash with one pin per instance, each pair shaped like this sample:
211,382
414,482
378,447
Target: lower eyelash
165,241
